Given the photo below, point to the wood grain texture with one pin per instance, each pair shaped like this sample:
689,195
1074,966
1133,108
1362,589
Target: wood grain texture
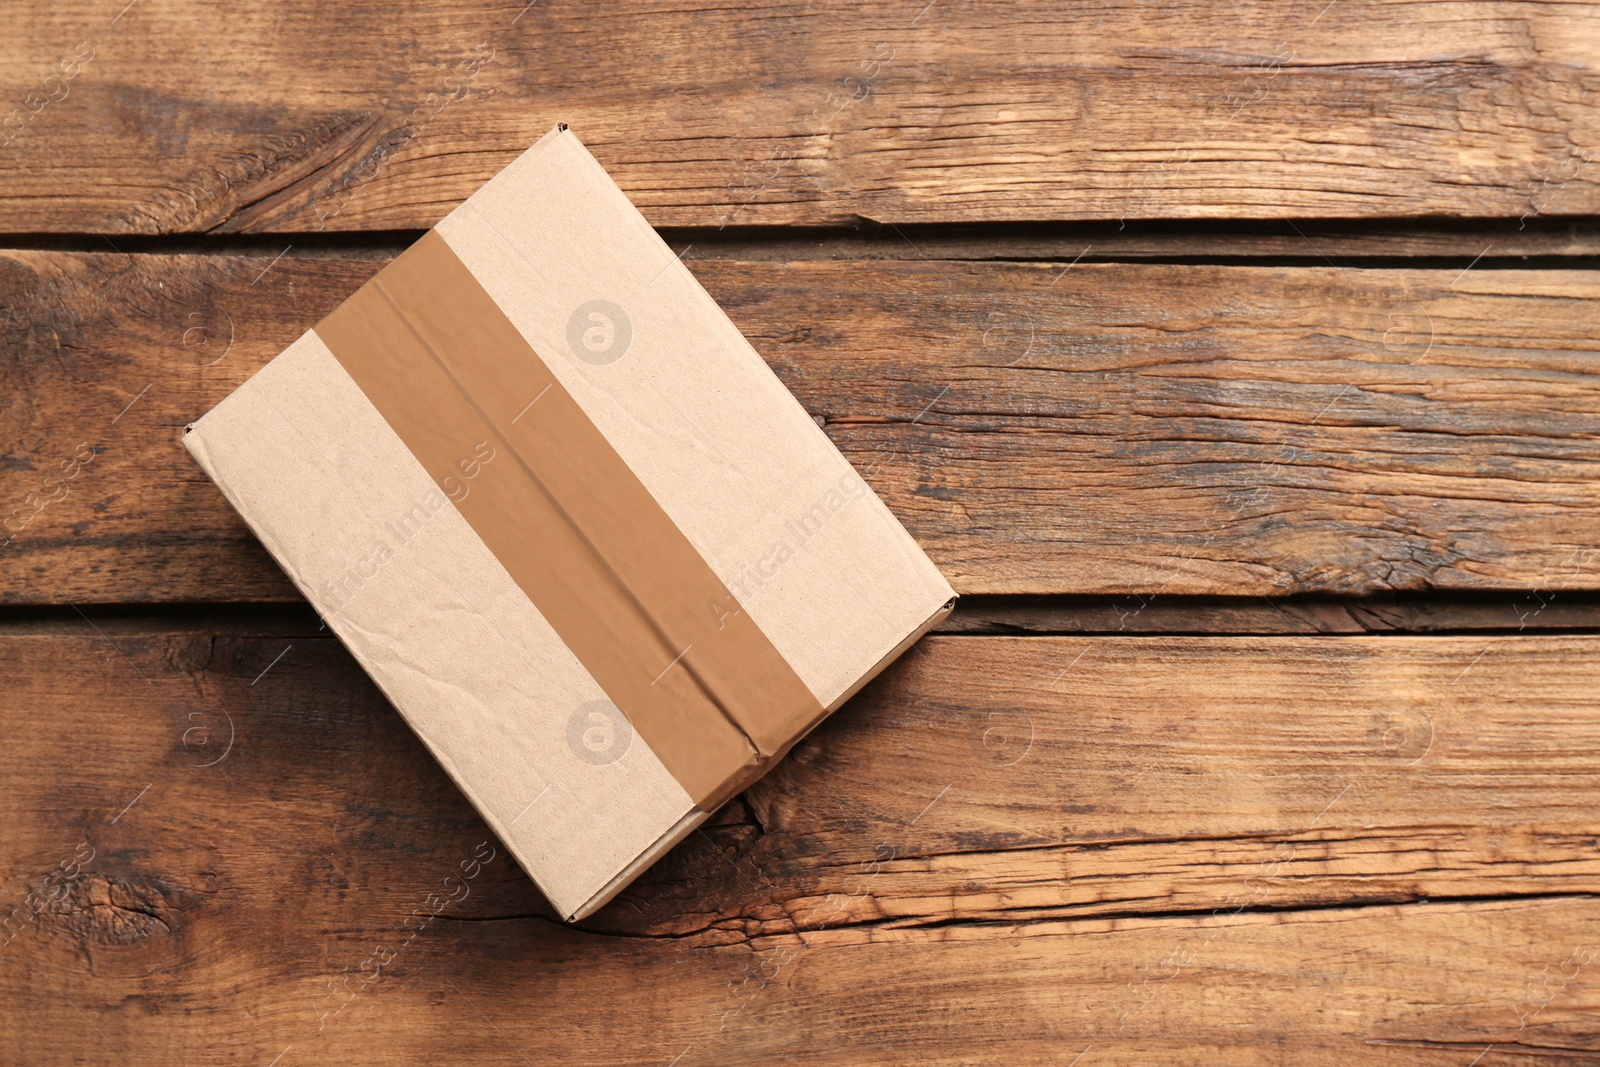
1133,429
1006,851
170,117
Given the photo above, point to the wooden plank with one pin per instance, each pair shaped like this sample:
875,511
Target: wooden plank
1505,982
1006,851
168,118
1149,429
1000,779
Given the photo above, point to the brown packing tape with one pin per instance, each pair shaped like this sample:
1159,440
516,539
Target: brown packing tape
571,523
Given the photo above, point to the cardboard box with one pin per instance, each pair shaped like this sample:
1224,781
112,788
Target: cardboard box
572,525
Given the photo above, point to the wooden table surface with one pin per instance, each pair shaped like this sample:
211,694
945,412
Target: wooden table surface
1240,364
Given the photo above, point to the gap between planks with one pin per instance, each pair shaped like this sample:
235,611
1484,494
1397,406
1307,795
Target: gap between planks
1498,612
1490,243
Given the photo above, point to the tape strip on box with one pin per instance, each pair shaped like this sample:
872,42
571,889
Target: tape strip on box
571,523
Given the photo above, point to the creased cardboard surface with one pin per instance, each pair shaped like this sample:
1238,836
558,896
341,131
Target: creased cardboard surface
401,578
320,465
809,550
571,523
